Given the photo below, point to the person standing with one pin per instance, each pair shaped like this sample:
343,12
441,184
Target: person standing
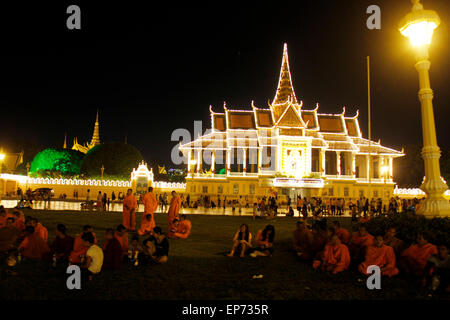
104,200
174,209
129,210
99,201
150,206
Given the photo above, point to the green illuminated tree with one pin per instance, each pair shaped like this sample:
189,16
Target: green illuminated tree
57,163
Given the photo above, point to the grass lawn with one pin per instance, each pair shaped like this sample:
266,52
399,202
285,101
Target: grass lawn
197,268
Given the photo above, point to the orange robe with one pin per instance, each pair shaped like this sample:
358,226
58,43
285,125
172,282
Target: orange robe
79,249
337,256
383,257
150,205
175,205
34,247
146,226
129,212
3,220
19,223
417,256
183,230
41,231
343,235
365,241
123,241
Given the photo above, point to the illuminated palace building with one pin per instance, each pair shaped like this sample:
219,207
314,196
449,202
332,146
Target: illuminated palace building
288,150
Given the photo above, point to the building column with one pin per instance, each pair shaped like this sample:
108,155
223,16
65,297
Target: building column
227,164
353,164
213,162
199,161
391,164
189,162
322,161
244,156
367,166
259,159
338,162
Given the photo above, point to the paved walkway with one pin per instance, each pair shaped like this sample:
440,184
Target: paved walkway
117,207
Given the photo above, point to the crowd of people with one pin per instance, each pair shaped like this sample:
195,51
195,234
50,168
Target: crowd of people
327,248
24,237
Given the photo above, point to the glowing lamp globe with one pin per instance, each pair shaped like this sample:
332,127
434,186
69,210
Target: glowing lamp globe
2,156
384,169
11,261
419,24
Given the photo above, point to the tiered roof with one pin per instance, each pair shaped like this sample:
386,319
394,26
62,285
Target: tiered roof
286,116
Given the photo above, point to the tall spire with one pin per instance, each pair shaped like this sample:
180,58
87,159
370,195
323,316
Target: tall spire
65,141
96,135
285,89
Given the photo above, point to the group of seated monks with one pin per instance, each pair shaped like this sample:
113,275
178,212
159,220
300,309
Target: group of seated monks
334,249
25,237
180,228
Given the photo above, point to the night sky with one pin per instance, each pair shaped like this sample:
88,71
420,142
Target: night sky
151,70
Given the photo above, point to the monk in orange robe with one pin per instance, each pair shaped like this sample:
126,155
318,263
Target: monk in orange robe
414,259
147,225
39,228
79,249
33,246
359,242
342,233
391,240
175,205
121,235
302,239
150,205
335,257
129,210
380,255
184,228
19,220
3,215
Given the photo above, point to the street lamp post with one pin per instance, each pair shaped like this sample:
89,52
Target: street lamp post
102,169
28,174
2,157
418,26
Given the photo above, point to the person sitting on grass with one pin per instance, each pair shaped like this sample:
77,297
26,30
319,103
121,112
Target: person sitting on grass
146,225
62,246
359,242
135,250
437,270
380,255
391,240
264,242
122,236
302,240
33,246
156,248
342,233
112,251
335,257
79,250
94,256
183,228
414,259
242,241
39,228
8,236
19,220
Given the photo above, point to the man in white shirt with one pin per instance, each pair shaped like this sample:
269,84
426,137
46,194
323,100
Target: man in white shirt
94,255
